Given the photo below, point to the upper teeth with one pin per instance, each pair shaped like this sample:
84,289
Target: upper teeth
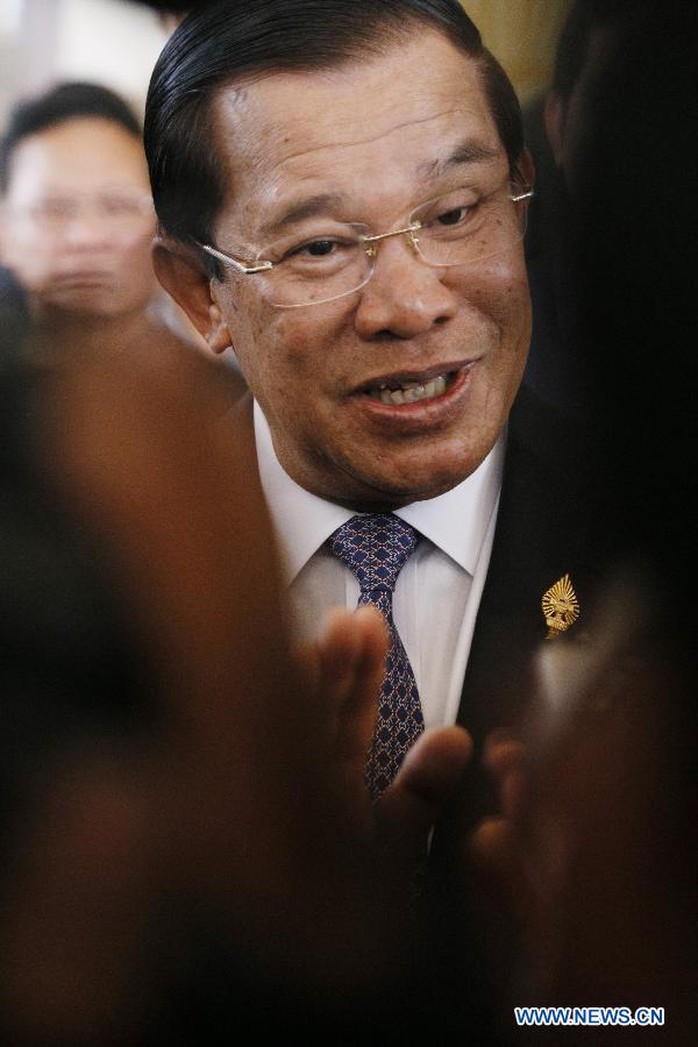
411,392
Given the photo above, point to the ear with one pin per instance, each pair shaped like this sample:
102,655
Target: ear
183,275
554,120
526,167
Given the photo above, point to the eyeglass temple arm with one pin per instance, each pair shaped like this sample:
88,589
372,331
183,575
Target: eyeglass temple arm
233,262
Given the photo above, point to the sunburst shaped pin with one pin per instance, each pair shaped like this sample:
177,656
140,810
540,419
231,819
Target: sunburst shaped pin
560,607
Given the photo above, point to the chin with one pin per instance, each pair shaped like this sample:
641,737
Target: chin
394,495
440,474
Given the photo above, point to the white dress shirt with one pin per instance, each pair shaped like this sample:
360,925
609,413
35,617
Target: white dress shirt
438,590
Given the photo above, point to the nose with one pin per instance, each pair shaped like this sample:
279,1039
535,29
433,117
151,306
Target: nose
405,297
86,227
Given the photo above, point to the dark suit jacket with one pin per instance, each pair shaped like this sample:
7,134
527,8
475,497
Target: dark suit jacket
546,528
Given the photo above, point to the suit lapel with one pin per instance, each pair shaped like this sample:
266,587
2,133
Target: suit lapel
542,533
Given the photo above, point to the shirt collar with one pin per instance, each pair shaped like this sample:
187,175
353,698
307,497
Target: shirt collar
455,522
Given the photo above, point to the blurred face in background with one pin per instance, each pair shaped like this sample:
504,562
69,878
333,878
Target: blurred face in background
77,220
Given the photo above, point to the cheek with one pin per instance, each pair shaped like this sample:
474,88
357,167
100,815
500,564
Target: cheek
275,347
515,314
133,270
135,250
25,251
501,295
35,264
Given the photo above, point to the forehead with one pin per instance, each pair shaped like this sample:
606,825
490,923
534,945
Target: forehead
376,131
76,156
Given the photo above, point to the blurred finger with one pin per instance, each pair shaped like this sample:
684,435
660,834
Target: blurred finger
504,757
427,779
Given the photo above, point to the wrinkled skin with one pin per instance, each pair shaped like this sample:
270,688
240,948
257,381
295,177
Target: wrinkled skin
360,144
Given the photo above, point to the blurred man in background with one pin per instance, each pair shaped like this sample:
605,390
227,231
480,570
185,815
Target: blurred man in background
76,227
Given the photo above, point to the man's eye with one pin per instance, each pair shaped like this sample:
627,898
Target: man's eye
329,250
317,248
52,209
119,206
455,216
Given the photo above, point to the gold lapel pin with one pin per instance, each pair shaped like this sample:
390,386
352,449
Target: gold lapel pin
560,607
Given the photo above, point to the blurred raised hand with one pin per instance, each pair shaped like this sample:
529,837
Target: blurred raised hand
229,831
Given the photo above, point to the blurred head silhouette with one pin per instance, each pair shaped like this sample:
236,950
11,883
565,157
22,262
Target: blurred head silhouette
607,818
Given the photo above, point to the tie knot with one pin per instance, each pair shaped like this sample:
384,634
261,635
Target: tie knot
375,546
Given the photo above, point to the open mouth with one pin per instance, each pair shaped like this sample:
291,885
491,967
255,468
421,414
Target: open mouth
395,393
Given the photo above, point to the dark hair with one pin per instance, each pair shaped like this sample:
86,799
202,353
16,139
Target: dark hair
238,38
66,101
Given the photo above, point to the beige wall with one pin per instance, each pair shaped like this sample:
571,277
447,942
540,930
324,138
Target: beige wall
522,34
117,42
113,41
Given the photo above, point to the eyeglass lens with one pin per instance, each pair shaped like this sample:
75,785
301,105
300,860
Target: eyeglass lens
451,230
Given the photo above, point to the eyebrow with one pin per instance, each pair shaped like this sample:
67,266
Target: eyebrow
467,152
309,208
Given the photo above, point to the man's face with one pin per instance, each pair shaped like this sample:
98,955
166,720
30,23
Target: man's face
369,143
78,223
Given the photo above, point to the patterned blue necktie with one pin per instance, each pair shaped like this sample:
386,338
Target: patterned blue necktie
376,547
